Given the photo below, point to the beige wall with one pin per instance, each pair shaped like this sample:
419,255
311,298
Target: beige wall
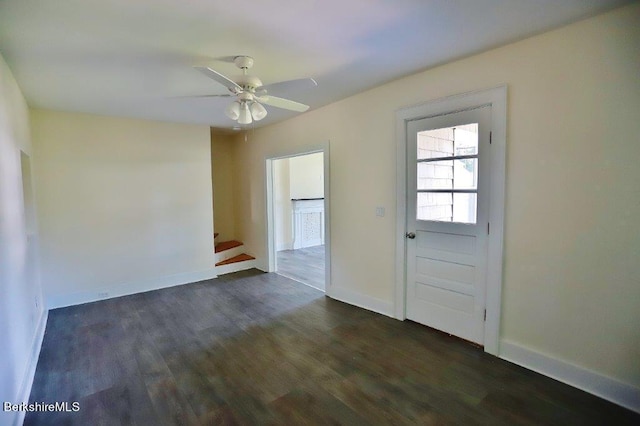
126,205
571,270
21,307
223,167
307,176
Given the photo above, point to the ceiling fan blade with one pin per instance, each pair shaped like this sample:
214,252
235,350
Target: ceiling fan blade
201,96
282,103
228,59
225,81
297,84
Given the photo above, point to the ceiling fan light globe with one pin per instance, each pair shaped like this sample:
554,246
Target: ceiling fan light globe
233,110
258,111
245,115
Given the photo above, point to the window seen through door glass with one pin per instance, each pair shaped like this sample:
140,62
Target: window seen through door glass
447,174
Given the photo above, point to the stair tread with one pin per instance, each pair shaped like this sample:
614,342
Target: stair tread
227,245
239,258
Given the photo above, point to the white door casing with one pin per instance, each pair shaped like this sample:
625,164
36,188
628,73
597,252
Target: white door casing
446,256
496,99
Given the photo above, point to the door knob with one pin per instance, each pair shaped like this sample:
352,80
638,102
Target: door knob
410,235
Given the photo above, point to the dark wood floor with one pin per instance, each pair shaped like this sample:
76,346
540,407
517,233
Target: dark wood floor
254,348
305,265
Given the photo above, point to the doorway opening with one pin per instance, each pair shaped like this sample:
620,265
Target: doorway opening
297,208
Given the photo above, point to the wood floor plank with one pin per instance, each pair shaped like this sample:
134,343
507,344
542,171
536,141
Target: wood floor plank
255,348
313,405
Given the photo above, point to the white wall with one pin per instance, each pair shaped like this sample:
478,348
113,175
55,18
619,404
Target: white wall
572,238
22,314
282,204
294,178
306,176
124,205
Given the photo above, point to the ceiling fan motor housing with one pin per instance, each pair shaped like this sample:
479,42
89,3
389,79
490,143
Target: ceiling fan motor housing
248,82
243,62
245,97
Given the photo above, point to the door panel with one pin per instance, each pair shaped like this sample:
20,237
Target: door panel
447,207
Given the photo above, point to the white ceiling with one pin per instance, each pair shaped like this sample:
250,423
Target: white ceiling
133,57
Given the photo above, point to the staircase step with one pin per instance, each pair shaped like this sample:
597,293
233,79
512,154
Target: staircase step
227,249
239,258
227,245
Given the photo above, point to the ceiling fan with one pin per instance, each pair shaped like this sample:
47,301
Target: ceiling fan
251,94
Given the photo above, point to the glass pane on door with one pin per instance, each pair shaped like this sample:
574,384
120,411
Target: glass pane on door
448,142
448,174
447,207
457,172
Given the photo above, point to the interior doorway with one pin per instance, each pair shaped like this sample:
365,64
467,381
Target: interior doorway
447,221
298,217
449,243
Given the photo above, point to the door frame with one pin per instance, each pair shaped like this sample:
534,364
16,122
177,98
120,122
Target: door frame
271,249
497,98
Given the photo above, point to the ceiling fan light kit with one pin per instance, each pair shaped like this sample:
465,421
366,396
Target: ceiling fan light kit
248,106
233,110
245,114
258,112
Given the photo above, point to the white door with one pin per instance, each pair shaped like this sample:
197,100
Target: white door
447,224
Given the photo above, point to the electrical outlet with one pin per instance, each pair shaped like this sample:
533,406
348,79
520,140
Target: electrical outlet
37,302
380,211
103,294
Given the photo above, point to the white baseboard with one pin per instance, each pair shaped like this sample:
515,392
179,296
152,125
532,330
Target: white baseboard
235,267
285,246
361,300
125,289
32,363
308,243
590,381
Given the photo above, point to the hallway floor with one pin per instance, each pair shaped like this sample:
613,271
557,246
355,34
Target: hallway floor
305,265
